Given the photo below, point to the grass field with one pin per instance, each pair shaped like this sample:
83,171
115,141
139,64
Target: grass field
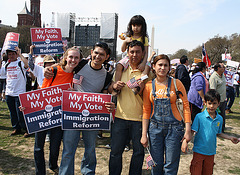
16,152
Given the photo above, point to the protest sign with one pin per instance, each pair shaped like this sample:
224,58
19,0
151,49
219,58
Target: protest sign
229,77
47,41
43,108
11,41
231,69
85,111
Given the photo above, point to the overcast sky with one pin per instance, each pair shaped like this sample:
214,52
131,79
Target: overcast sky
179,24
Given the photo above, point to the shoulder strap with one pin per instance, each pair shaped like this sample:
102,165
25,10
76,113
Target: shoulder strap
6,65
153,88
108,80
55,73
19,64
80,65
177,92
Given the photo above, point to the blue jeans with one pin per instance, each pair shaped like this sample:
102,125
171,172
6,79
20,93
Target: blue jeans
16,115
165,138
121,130
55,142
70,143
230,97
165,135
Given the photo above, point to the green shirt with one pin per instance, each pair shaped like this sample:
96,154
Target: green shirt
219,84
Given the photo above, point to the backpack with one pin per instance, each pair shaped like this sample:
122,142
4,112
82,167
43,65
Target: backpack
27,78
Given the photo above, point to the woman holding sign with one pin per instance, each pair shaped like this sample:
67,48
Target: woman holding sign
164,124
63,74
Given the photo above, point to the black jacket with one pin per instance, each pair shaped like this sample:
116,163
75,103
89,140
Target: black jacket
183,75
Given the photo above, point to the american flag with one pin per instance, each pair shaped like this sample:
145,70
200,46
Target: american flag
132,83
205,57
149,162
77,79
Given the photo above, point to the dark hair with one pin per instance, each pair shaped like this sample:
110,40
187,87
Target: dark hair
183,59
8,51
199,67
217,65
160,57
137,20
212,95
104,46
5,57
135,43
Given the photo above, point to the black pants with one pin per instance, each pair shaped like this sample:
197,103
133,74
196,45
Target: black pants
194,110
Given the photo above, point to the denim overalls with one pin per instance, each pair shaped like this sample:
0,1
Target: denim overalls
165,135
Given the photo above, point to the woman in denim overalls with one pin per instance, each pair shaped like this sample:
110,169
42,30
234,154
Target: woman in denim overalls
165,130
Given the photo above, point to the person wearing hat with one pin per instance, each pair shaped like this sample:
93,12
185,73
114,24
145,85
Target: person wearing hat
15,70
37,70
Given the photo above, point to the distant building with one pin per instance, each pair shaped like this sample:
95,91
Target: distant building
86,35
33,17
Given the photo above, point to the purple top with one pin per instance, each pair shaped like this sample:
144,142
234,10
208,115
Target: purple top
197,84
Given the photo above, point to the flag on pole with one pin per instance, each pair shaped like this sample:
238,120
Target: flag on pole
205,57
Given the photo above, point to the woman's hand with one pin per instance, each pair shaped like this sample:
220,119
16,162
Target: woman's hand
144,141
187,136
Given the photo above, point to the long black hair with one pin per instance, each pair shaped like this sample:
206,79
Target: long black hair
199,67
138,20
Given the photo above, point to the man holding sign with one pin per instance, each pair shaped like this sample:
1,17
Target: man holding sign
15,70
91,78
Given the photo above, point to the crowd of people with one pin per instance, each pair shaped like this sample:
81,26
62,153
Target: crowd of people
146,113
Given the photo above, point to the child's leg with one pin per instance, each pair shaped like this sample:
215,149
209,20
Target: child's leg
208,164
196,164
118,74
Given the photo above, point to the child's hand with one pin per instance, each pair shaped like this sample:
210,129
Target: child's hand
128,40
21,108
153,53
184,147
141,66
235,140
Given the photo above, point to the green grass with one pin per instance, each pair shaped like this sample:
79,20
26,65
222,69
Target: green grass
234,170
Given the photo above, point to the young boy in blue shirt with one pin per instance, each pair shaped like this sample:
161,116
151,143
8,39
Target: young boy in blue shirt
207,125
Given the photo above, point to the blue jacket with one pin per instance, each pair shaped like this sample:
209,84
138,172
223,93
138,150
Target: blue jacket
197,84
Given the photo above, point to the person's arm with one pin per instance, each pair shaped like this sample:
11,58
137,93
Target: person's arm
30,58
201,94
125,43
146,113
148,67
187,134
235,140
23,59
144,139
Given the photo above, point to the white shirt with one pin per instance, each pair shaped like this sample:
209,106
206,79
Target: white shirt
236,78
15,82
